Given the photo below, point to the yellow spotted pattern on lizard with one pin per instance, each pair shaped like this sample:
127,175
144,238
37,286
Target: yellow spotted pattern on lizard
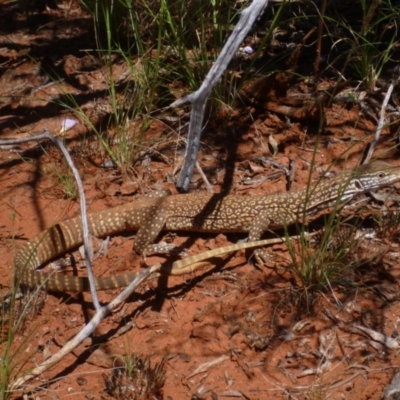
195,212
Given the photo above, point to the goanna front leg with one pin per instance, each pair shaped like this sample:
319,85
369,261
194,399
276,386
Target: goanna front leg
153,223
260,225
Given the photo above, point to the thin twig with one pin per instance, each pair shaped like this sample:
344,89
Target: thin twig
85,226
382,120
204,177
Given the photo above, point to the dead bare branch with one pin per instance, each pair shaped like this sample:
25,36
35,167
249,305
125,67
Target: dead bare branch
85,226
199,98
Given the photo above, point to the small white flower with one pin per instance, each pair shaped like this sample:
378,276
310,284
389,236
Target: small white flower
67,124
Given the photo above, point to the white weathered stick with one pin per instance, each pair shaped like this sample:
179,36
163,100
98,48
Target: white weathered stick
382,120
199,98
85,226
101,313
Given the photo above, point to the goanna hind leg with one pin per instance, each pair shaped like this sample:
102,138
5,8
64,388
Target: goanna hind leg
262,256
